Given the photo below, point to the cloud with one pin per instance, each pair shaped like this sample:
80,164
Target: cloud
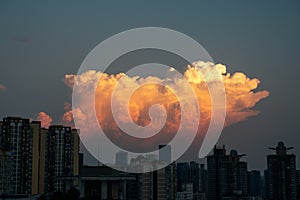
241,99
45,119
3,87
68,116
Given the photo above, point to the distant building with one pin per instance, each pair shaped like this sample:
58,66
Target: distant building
298,184
254,183
216,174
226,174
61,157
195,176
19,156
280,177
202,179
151,157
183,175
186,193
122,158
190,173
191,181
159,184
165,154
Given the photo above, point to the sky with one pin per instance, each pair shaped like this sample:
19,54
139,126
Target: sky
41,42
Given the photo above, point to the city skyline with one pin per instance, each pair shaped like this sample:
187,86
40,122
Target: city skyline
44,161
121,157
258,38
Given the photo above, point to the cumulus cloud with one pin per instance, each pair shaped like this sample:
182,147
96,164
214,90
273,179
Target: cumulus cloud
2,87
241,98
68,116
45,119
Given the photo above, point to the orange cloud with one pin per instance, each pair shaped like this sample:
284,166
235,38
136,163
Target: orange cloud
45,119
67,118
239,89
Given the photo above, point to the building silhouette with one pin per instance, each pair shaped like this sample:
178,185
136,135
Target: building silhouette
226,175
202,179
254,183
165,153
34,160
183,176
61,157
195,176
122,158
216,173
280,176
187,192
298,184
191,177
159,184
19,156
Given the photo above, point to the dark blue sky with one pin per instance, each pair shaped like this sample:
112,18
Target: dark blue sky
40,42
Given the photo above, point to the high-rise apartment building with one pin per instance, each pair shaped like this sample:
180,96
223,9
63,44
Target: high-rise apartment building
61,157
254,183
280,176
189,173
159,184
183,175
195,176
226,174
34,160
19,156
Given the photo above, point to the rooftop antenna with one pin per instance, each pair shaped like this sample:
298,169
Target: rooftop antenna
281,149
